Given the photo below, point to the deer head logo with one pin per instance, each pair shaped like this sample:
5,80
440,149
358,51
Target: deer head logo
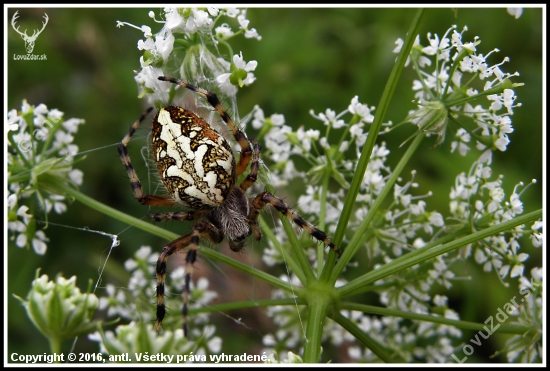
29,40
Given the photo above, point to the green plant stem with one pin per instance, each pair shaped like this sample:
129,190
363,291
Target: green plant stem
322,218
447,238
316,317
298,250
55,345
510,329
360,235
246,304
378,349
289,260
366,152
406,261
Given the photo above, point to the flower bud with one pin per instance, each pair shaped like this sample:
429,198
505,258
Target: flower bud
58,308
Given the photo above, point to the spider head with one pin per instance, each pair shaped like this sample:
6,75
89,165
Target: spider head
232,219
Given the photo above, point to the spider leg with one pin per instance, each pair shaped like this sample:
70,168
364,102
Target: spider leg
254,167
181,216
267,198
144,199
240,137
202,229
253,215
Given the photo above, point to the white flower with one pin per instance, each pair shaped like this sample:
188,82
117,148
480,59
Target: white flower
252,34
516,204
258,118
361,109
330,118
232,12
398,45
223,79
463,137
76,176
198,19
60,154
173,18
223,32
537,237
243,22
71,125
13,120
39,242
148,78
247,66
515,12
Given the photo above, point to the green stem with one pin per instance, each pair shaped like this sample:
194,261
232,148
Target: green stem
322,218
406,261
246,304
371,140
21,154
360,236
316,317
448,238
55,345
510,329
50,132
463,53
505,84
296,246
289,260
378,349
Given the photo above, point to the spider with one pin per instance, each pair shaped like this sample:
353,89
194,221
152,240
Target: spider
198,169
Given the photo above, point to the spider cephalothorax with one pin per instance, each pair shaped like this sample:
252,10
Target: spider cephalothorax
198,169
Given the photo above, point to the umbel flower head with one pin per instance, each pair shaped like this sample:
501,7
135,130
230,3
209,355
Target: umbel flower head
58,309
188,47
41,156
447,92
141,341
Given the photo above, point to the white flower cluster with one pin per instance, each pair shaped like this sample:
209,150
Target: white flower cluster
443,98
40,147
133,301
406,224
477,199
201,61
399,228
138,340
525,347
436,346
408,213
58,309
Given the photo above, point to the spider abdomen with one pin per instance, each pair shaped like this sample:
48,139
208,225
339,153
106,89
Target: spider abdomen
195,163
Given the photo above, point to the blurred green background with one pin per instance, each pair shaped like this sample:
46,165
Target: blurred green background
307,59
